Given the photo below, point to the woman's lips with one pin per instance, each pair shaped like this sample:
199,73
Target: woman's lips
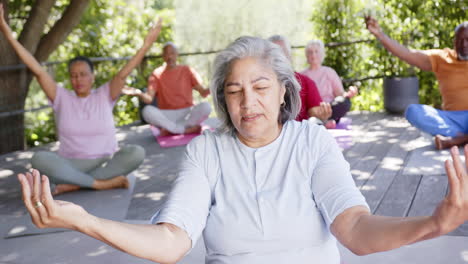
249,118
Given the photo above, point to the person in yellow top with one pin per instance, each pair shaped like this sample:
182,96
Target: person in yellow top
449,125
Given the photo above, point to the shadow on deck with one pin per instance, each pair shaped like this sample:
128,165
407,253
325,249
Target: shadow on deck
397,169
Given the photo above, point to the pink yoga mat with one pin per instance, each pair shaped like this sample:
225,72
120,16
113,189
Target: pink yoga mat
174,140
343,137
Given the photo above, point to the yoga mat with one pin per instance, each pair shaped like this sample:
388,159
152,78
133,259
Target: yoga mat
110,204
343,137
174,140
345,123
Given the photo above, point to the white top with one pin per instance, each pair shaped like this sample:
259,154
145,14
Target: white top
85,124
274,204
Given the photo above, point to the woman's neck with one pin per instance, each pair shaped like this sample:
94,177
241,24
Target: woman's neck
261,141
314,66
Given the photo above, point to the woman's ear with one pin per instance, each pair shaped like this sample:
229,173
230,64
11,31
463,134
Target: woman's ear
282,93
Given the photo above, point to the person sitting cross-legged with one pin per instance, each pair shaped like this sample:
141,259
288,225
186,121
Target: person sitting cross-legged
172,85
88,155
327,80
448,125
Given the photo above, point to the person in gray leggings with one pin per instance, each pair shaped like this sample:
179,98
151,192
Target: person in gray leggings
88,154
67,174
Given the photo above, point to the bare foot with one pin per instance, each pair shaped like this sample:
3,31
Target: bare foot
193,130
442,142
63,188
113,183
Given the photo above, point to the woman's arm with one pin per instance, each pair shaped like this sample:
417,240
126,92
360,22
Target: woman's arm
413,57
163,243
118,82
364,233
46,82
147,97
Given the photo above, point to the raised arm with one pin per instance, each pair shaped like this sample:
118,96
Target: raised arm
118,82
162,243
364,233
414,57
46,82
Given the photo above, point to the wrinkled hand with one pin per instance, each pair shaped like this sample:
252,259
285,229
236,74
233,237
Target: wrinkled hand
322,112
46,212
373,26
153,33
352,91
127,90
453,210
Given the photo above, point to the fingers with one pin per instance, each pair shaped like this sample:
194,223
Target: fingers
460,169
47,198
466,156
26,189
454,183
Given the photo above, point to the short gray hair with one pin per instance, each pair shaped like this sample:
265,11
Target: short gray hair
461,26
286,45
267,53
169,43
318,43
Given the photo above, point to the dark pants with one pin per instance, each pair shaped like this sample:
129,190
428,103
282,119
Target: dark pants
340,106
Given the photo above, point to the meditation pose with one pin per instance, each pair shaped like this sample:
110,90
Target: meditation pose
264,188
88,155
449,125
312,108
172,85
328,82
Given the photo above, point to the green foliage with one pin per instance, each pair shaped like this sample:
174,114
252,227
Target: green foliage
107,29
417,24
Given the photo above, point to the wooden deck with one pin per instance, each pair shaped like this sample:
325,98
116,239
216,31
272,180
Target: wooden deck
395,167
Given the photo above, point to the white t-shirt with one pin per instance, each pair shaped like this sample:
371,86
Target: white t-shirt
273,204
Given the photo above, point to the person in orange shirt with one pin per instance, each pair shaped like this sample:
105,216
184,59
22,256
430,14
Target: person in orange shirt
450,66
172,85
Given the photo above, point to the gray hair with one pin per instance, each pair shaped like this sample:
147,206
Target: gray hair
169,43
318,43
461,26
286,45
267,53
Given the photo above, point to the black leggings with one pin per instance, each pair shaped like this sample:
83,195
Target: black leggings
340,106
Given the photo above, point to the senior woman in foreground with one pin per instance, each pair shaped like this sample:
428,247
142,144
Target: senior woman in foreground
263,189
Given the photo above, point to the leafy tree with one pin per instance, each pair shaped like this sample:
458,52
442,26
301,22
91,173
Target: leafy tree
418,24
107,29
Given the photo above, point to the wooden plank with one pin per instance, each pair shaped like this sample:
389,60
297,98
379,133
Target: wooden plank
375,188
399,196
431,191
379,143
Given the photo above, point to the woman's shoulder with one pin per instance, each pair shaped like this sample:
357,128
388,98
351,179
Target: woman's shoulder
306,129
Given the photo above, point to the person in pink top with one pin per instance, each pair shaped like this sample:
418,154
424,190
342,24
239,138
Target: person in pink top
172,84
327,80
88,155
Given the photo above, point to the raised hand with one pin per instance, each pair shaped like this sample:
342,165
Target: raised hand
127,90
46,212
373,26
153,33
352,91
453,210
